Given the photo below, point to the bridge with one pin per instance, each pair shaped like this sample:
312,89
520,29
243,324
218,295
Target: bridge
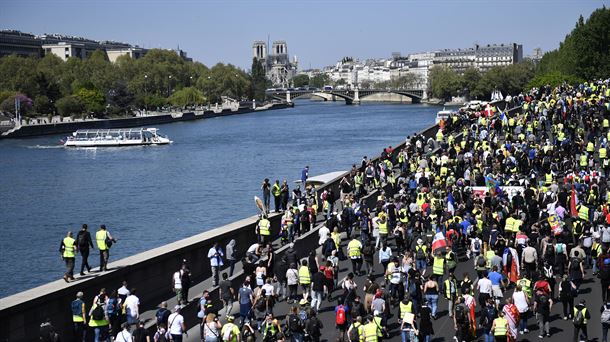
351,96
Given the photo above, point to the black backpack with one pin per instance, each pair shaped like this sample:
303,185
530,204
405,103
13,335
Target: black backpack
354,335
159,315
294,323
98,312
313,327
460,313
481,262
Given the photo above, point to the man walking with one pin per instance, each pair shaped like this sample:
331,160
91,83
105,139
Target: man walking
276,191
215,255
78,317
67,249
104,240
83,242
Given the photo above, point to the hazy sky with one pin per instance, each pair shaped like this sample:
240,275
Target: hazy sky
319,32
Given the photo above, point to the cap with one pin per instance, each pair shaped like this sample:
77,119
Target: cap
230,318
420,241
177,307
303,302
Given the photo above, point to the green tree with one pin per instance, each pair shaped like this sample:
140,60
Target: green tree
188,96
92,100
319,80
70,105
300,80
444,82
259,81
43,105
470,79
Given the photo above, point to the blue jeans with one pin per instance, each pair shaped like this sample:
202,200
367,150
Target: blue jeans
426,338
101,332
488,336
433,300
523,321
421,264
406,336
297,337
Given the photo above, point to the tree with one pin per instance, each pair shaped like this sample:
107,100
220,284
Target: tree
470,79
259,82
188,96
319,80
25,104
43,105
444,82
92,100
69,105
300,80
119,99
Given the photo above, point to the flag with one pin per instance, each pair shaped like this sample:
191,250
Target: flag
439,242
503,117
488,111
573,202
450,204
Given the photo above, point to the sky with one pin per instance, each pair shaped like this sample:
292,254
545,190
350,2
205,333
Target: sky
318,32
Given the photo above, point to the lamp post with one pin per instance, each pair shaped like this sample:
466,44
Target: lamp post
169,86
145,92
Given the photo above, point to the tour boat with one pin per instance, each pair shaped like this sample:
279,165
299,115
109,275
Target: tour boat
116,137
443,115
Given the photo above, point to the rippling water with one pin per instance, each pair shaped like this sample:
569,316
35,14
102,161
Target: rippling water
150,196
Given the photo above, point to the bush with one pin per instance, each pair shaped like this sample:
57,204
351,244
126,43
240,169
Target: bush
70,105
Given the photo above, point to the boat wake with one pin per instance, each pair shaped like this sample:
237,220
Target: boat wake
45,146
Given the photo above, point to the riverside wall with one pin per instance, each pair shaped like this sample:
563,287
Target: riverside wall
149,272
152,120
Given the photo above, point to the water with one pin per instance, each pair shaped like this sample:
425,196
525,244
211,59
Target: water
150,196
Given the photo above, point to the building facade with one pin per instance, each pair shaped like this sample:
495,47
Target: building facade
19,43
278,67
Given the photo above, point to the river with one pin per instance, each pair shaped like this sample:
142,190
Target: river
150,196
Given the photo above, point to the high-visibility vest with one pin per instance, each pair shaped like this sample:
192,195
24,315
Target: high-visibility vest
488,255
97,323
448,283
353,249
370,332
358,180
561,136
438,267
69,248
403,212
304,276
405,308
583,212
439,136
510,225
605,123
383,226
100,238
443,171
602,153
450,260
276,190
501,326
583,160
263,227
77,317
584,314
548,178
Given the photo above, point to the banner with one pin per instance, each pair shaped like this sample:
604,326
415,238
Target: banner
555,224
508,190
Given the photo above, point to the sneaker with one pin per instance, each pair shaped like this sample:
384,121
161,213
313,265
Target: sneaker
521,332
565,318
526,330
540,336
548,335
82,273
66,279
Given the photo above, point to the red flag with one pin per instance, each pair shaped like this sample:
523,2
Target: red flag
488,111
573,210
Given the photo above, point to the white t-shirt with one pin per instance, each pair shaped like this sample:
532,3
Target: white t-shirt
178,280
268,289
252,248
131,303
123,291
520,301
175,322
322,233
123,336
484,285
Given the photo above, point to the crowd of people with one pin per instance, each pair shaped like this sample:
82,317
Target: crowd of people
518,202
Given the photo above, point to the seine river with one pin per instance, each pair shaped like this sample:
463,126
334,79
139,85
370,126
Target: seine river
150,196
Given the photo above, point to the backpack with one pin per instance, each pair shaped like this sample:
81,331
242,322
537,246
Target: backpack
161,336
111,308
579,318
98,312
420,255
559,248
606,315
354,334
76,308
340,317
302,316
80,242
413,290
294,323
575,265
604,269
460,313
313,327
481,261
159,315
477,244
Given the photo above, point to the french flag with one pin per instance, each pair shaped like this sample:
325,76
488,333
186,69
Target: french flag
450,204
439,242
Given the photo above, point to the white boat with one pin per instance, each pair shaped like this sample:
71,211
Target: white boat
319,180
443,115
116,137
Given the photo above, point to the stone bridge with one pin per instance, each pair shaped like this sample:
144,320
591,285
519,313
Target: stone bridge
351,96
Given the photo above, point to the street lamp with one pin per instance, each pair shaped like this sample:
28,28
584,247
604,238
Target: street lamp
169,86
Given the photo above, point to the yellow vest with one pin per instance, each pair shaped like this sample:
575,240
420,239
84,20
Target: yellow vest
501,326
383,227
404,212
583,213
69,248
584,314
353,248
590,147
602,153
304,277
370,332
438,267
583,160
100,238
263,227
405,308
97,323
605,123
276,190
548,178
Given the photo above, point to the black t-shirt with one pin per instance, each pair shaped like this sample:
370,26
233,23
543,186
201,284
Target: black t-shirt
225,287
317,281
139,335
543,304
